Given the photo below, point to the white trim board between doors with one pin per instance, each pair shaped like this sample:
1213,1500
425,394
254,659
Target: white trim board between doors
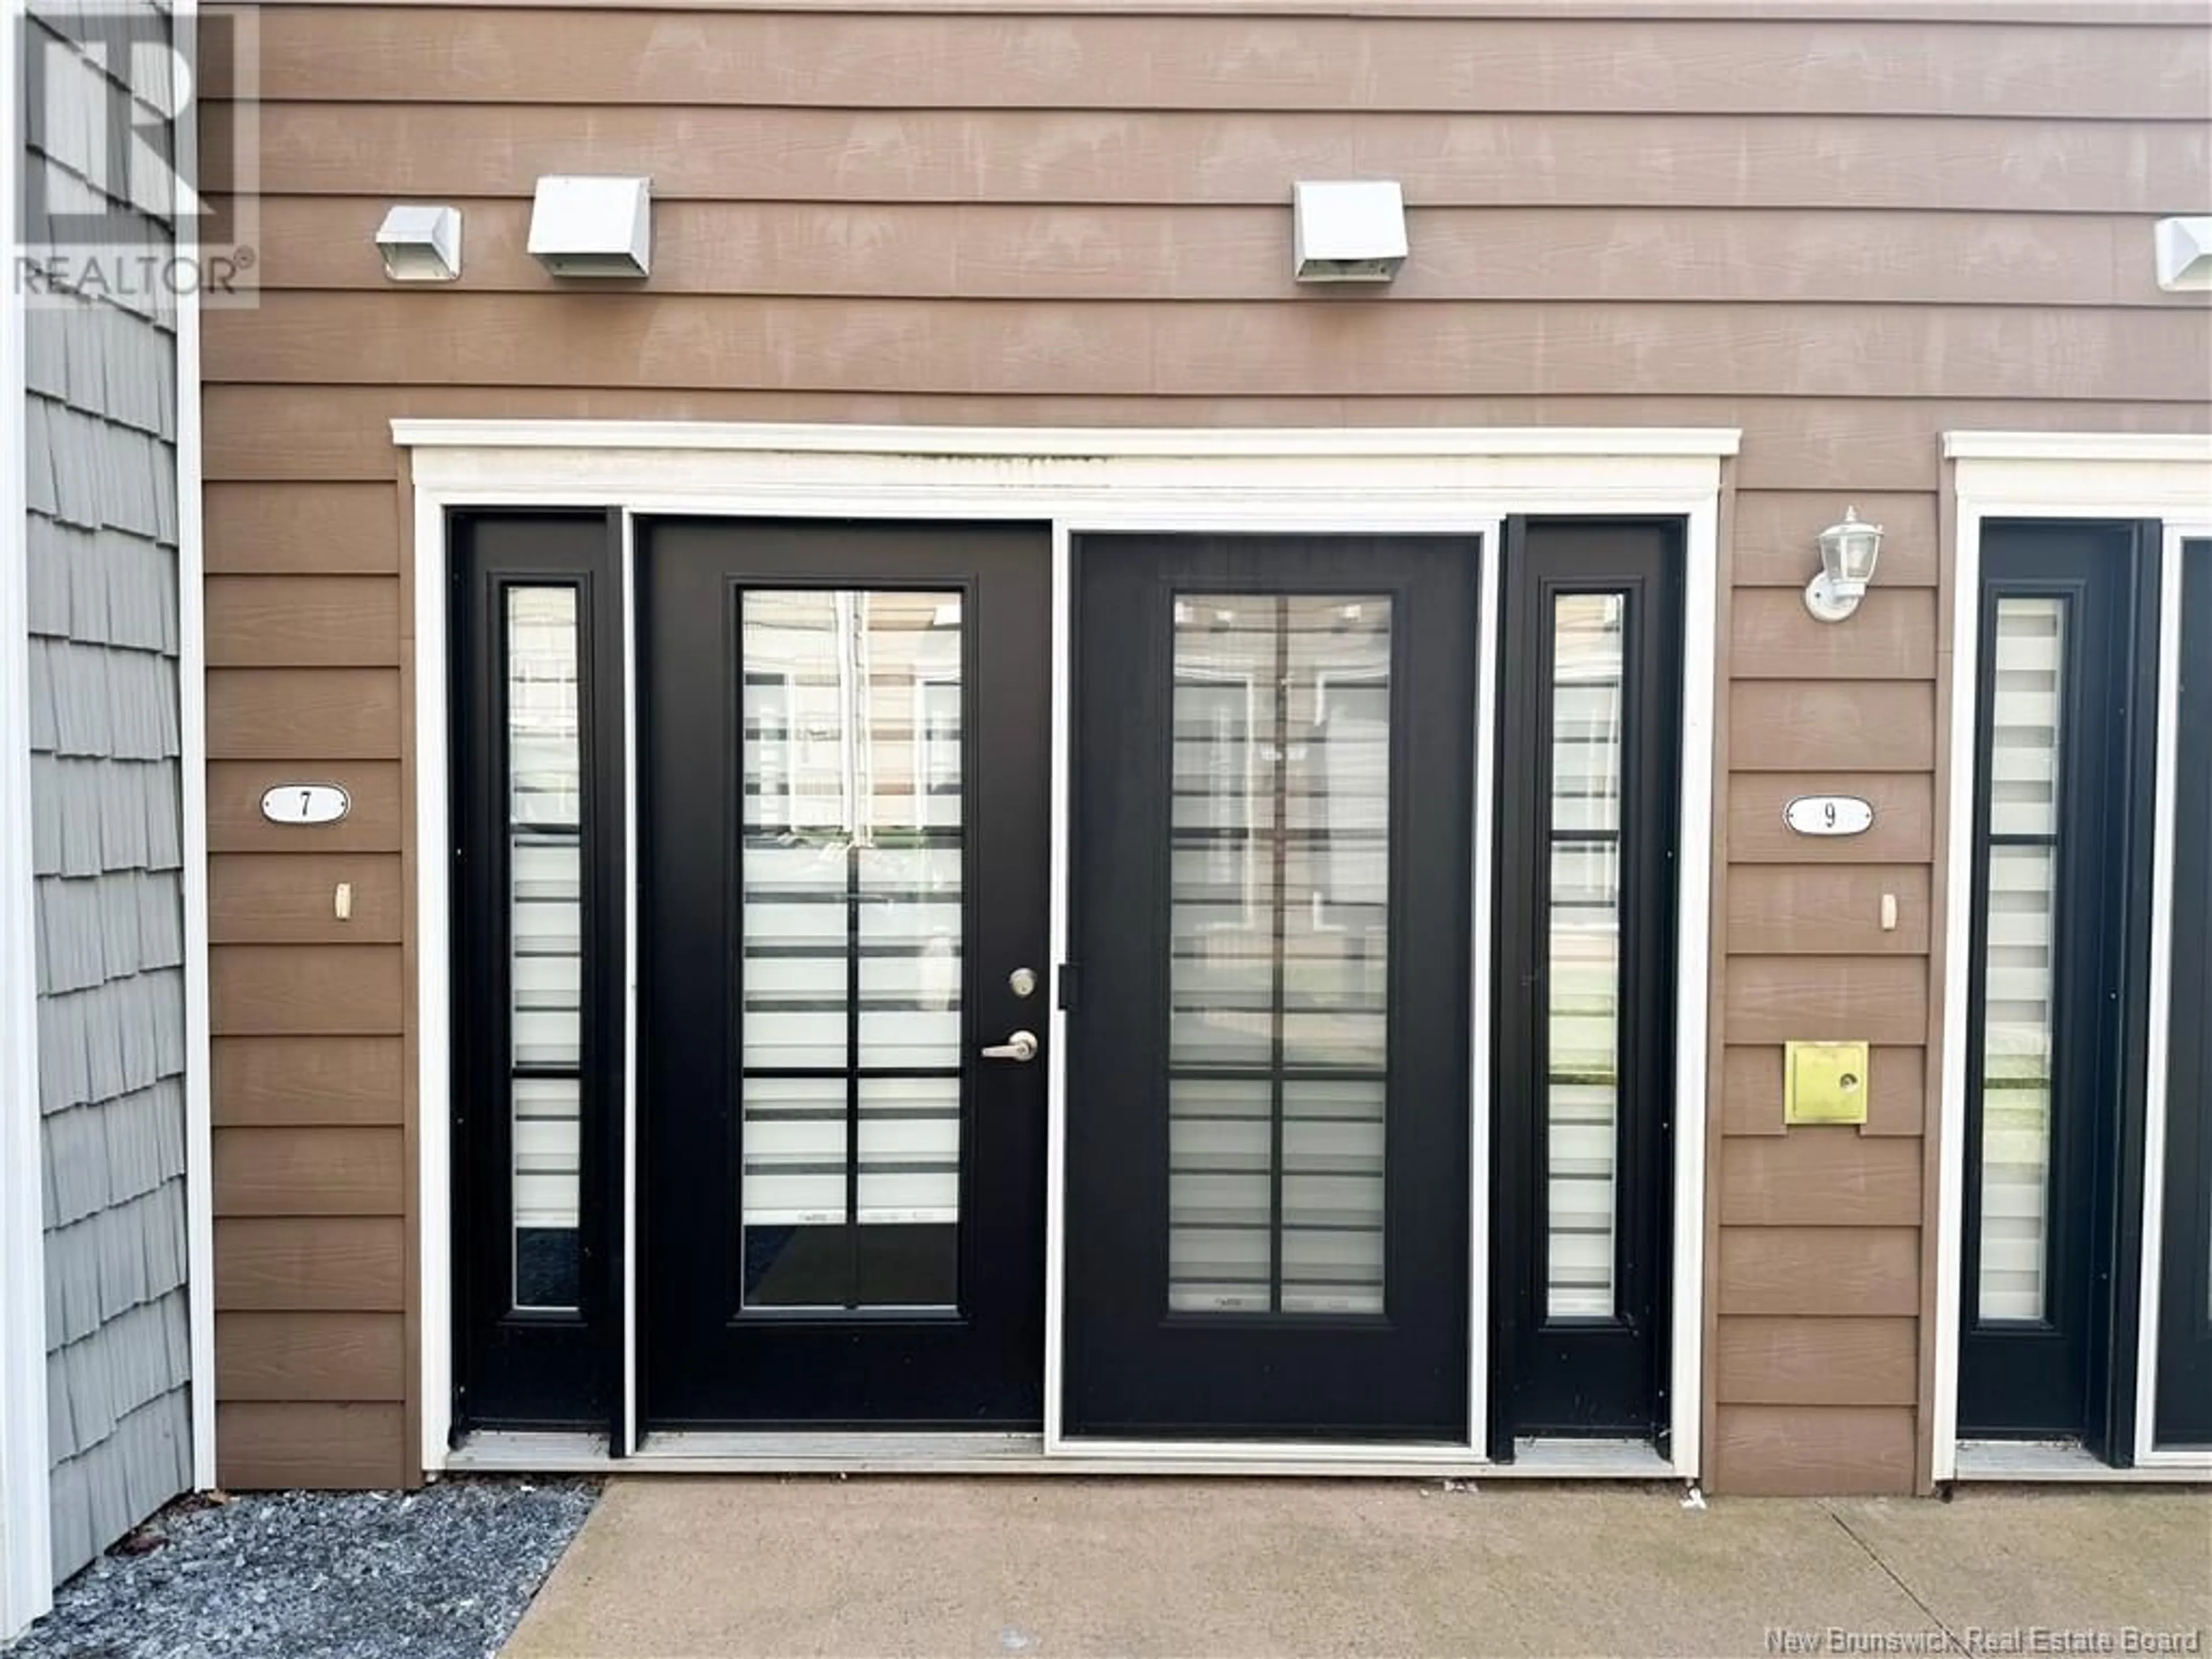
1084,481
2056,475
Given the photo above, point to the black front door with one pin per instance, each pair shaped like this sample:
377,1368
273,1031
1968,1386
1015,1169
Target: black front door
2057,978
2185,1334
843,854
1268,1202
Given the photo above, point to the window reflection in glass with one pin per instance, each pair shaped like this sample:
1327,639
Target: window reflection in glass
1279,929
2027,698
545,774
853,1040
1581,1079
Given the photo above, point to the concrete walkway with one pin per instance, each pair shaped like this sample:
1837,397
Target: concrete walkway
674,1568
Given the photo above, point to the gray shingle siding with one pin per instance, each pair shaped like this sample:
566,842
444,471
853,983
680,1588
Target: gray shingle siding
107,854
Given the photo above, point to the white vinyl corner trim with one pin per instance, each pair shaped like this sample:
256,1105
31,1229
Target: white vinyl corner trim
25,1547
191,686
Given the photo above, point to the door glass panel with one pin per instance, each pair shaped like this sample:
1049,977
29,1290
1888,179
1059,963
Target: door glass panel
544,778
1582,1042
2027,698
853,1029
1279,987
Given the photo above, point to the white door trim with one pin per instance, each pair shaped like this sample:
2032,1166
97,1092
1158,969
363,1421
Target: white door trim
2047,475
26,1543
1078,480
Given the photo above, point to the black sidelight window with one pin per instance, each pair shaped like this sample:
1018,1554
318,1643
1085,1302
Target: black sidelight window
2057,981
1589,748
538,878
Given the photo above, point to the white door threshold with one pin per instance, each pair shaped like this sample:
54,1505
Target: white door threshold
2065,1461
702,1452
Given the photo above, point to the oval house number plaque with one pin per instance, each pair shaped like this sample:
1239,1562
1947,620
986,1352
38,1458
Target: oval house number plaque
306,803
1829,815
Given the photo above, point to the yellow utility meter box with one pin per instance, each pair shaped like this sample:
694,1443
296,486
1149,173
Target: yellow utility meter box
1824,1083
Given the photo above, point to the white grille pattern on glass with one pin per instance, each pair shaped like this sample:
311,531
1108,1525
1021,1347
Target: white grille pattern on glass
853,916
1581,1081
2028,696
545,768
1280,916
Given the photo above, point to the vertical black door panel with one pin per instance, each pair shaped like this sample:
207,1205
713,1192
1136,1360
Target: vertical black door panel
537,925
2056,983
813,1287
1267,1119
1590,753
2184,1416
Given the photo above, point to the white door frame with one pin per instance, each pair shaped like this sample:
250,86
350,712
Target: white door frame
2058,475
1086,480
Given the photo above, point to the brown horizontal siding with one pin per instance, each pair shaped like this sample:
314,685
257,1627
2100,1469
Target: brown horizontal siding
1819,1450
1774,636
308,1356
322,1263
305,990
1903,816
1827,997
341,529
260,1445
986,251
1245,159
374,822
259,622
1777,909
1821,1176
1826,1272
1847,726
308,1172
276,1080
1124,348
291,898
1095,60
290,713
1766,1361
273,433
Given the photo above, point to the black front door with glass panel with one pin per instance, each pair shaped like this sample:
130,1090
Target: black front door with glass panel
844,855
2056,977
1268,1099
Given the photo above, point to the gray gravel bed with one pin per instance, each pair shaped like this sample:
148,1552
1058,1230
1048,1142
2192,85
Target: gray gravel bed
442,1573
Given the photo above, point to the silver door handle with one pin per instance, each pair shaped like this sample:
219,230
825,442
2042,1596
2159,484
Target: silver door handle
1022,1046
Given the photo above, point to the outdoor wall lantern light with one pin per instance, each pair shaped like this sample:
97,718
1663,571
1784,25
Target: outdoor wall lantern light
2185,254
421,243
1849,553
1347,231
592,227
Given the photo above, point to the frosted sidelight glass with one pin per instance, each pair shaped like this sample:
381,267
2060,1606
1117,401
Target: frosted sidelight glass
851,1035
1582,1078
545,783
2019,955
1279,930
